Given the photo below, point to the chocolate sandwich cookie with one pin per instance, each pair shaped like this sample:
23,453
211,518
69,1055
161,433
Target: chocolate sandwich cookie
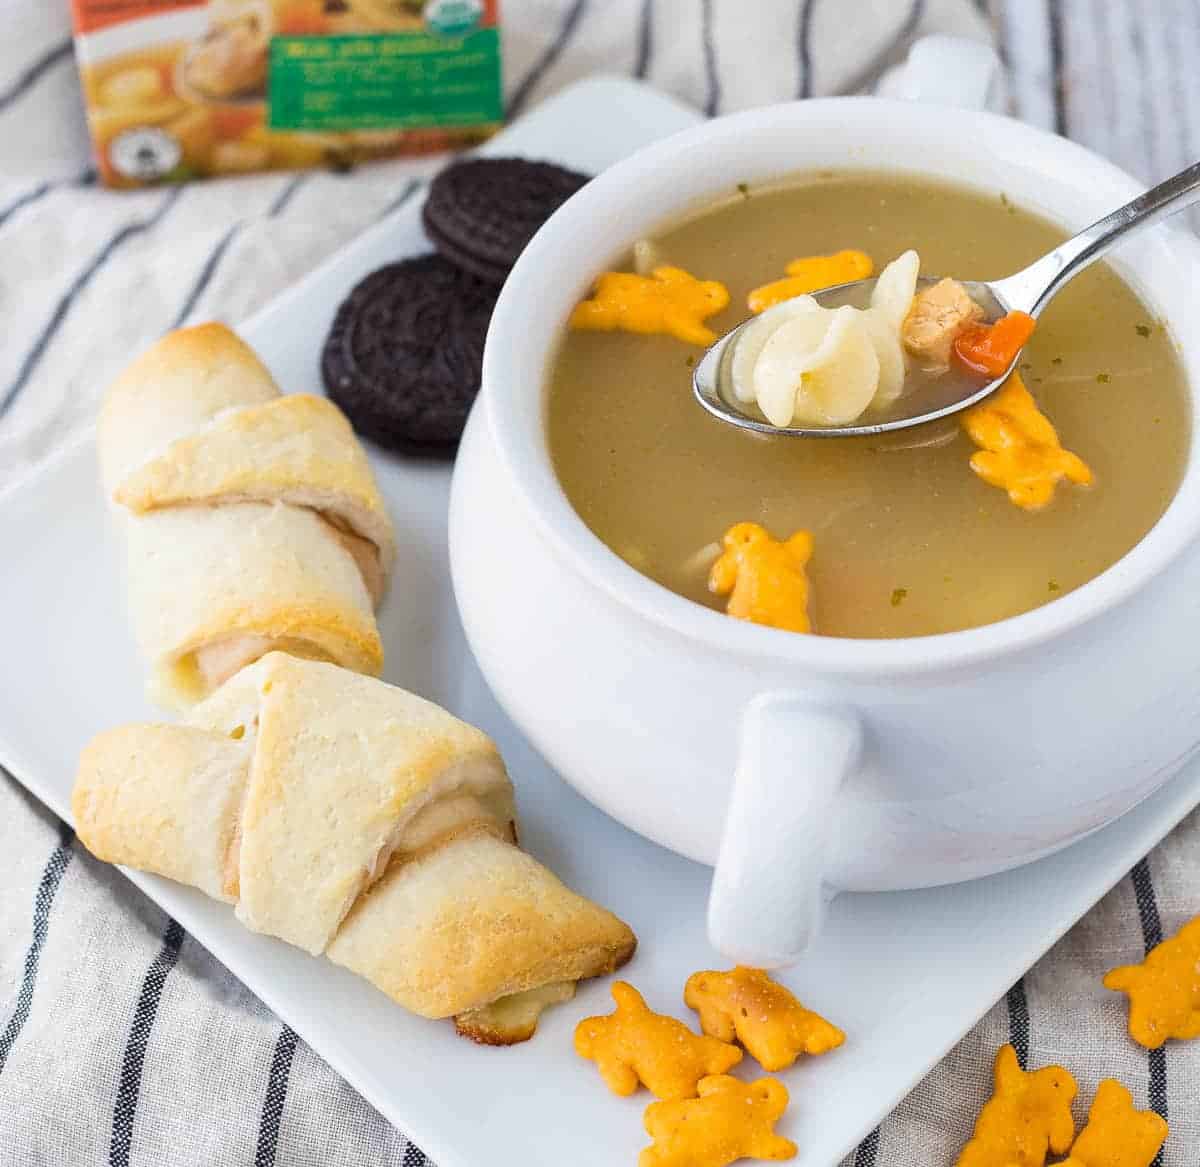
481,212
404,355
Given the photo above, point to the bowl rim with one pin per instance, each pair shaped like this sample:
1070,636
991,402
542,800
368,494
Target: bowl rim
519,438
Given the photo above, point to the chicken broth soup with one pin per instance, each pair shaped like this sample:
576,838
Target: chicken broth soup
952,525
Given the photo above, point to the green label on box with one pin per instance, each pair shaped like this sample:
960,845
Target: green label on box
385,81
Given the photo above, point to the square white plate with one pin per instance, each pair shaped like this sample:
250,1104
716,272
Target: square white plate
905,974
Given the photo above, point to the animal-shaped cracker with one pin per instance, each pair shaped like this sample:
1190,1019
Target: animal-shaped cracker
763,577
764,1016
1116,1134
1027,1115
730,1120
633,1045
668,300
1019,447
1164,990
810,274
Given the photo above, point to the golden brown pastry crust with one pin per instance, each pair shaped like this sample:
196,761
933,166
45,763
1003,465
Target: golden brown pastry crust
342,766
487,921
253,520
182,825
174,388
352,818
297,449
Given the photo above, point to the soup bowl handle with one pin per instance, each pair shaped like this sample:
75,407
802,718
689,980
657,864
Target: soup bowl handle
947,70
768,891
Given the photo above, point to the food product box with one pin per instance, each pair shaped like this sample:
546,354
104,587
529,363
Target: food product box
183,89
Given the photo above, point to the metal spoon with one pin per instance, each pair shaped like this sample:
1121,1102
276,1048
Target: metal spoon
1029,291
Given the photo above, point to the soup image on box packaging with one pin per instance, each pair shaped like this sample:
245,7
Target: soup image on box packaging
180,90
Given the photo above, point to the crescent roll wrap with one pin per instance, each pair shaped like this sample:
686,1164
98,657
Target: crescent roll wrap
253,521
353,819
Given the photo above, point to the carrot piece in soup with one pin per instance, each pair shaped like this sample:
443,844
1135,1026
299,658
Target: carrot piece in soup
991,348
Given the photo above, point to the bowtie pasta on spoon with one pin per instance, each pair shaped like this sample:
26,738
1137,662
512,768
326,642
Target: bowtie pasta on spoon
875,355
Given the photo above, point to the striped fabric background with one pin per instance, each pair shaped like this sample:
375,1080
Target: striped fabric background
121,1040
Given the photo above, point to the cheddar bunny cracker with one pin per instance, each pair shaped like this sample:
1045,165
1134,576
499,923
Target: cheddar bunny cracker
1117,1135
810,273
730,1120
1019,449
765,1017
763,577
668,300
1028,1115
634,1044
1164,990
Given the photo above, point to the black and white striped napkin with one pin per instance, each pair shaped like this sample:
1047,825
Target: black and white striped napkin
121,1040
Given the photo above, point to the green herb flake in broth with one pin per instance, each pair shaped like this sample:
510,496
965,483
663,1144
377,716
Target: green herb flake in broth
899,595
1103,378
744,189
1056,361
1142,330
689,361
1052,586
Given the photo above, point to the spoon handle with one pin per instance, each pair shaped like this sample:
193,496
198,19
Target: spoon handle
1030,289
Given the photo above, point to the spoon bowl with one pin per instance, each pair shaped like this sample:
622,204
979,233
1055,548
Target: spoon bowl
1029,291
712,380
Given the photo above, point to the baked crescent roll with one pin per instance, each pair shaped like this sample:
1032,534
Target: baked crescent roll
353,819
253,520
